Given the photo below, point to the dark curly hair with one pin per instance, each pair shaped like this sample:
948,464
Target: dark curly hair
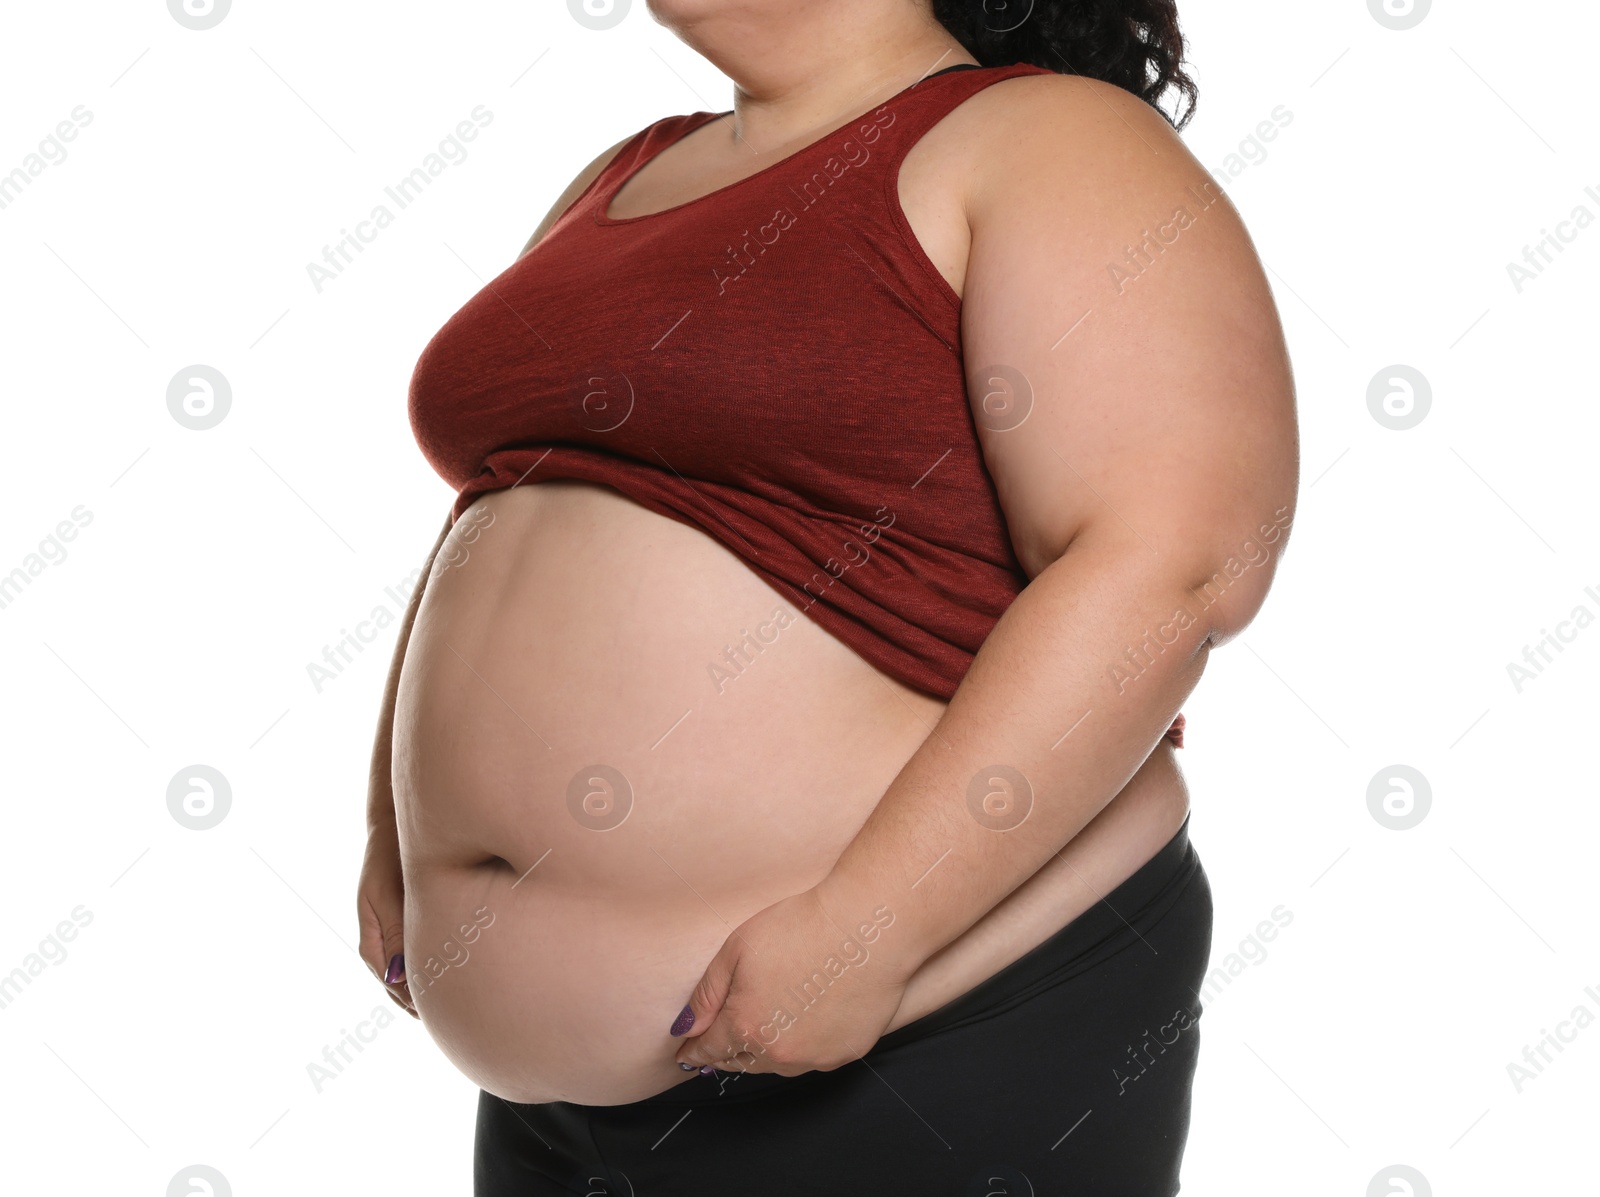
1134,44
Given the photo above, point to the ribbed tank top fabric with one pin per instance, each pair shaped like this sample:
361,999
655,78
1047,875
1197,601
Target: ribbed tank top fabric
776,363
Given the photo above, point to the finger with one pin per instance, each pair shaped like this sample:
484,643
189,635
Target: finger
399,990
743,1060
707,1050
381,949
706,999
719,1046
396,982
400,995
372,939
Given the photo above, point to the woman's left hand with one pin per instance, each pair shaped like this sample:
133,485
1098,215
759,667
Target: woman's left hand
790,992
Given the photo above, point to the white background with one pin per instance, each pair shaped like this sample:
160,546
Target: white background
1378,1026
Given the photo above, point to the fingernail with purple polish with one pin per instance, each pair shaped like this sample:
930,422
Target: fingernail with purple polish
397,969
684,1021
685,1067
707,1071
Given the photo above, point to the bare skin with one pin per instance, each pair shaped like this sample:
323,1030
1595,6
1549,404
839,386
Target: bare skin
562,627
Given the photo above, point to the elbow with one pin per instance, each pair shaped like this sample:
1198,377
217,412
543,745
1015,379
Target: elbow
1230,588
1227,614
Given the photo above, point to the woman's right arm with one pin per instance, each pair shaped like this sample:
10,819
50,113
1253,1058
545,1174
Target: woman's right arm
380,893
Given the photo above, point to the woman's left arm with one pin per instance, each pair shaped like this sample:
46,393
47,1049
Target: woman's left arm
1133,397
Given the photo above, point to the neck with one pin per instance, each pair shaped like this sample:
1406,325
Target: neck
806,65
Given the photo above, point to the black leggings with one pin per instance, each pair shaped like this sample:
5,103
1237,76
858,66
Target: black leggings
1068,1071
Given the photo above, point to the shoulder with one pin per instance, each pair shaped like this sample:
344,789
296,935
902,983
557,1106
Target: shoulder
581,183
1069,109
1080,146
1090,179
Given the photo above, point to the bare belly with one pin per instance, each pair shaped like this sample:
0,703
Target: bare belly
592,792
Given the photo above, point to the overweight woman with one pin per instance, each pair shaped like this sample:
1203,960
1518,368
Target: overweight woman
776,789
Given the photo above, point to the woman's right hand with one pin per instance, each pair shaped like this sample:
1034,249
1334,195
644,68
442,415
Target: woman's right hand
380,906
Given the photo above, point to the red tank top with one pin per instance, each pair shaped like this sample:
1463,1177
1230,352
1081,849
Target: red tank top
776,363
